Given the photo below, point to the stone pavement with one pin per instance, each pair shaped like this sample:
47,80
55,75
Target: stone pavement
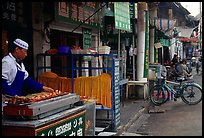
135,112
129,113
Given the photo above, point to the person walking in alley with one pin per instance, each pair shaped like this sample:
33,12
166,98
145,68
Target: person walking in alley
197,66
14,75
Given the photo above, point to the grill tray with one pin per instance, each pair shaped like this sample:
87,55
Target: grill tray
42,108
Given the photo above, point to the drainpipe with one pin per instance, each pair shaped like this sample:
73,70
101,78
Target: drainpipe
142,7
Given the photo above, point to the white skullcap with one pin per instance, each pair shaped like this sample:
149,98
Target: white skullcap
21,43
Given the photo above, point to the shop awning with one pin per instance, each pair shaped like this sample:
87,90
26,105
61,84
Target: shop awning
163,25
193,39
184,32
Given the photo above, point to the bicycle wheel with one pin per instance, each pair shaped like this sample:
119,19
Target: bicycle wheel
157,95
191,94
167,94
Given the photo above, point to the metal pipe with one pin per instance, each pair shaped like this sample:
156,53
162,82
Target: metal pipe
119,43
133,58
153,14
141,40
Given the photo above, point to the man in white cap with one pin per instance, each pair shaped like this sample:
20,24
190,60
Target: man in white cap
14,74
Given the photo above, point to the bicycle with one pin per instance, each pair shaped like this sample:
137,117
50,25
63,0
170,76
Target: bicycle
189,92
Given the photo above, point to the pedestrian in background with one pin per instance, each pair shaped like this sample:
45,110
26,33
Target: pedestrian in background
197,66
172,68
174,61
185,70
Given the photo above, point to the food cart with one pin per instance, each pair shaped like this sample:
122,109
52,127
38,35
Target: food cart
63,115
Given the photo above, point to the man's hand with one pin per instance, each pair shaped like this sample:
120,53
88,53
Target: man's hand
47,89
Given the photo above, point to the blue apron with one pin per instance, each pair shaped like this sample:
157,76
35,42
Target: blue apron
18,82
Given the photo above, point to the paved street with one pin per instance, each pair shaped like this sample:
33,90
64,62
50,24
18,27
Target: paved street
178,119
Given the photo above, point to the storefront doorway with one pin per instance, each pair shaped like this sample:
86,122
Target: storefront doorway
62,65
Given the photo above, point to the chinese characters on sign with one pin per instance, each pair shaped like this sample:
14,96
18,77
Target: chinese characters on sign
77,13
87,38
9,11
74,11
73,126
63,9
132,7
13,12
122,15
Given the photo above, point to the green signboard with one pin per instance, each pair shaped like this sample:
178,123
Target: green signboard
146,57
87,38
156,55
165,42
71,126
77,12
122,15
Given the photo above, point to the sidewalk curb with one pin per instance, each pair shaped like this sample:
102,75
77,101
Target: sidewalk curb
121,129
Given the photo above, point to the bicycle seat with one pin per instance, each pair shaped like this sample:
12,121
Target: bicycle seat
180,79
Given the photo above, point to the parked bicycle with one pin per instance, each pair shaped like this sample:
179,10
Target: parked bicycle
189,92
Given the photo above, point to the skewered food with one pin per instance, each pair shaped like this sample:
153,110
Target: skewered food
35,97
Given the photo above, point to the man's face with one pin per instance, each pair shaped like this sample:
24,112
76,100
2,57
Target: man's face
21,53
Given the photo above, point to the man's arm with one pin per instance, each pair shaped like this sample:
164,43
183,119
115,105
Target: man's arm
32,84
36,86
